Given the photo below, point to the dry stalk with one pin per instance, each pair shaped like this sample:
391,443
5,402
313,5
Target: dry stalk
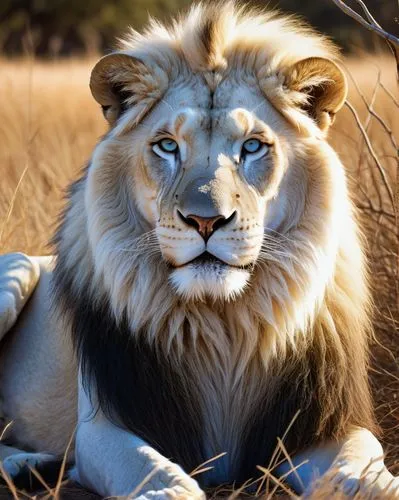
389,93
382,220
373,97
371,110
370,23
372,152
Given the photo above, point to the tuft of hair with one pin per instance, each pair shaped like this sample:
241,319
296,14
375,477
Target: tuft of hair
210,36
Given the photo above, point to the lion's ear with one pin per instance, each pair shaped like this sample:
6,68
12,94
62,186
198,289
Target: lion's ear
120,81
323,86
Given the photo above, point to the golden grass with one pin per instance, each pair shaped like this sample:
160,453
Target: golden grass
380,225
49,124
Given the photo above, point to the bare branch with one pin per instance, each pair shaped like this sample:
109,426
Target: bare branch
371,151
389,93
371,110
372,100
371,19
371,26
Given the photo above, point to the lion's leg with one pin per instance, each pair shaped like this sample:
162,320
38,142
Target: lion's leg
353,464
15,461
113,461
7,451
19,276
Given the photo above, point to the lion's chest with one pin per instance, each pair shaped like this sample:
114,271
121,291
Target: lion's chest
227,407
205,414
188,412
192,415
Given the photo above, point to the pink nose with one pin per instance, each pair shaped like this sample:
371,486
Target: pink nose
205,225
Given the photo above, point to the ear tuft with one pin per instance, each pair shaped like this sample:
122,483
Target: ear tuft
120,80
323,85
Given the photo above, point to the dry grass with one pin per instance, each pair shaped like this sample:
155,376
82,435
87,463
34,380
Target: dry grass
49,124
380,224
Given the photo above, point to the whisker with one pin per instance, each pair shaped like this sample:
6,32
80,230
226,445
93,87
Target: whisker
138,250
276,255
278,234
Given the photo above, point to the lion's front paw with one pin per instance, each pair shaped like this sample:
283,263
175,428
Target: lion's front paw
171,483
175,493
165,480
349,483
371,484
15,464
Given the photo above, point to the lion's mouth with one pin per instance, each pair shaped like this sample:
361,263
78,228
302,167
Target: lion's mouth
207,259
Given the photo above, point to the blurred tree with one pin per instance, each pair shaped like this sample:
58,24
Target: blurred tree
67,26
327,18
54,27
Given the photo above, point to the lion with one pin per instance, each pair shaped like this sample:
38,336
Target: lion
208,295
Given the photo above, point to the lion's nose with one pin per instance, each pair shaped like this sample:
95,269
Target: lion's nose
206,226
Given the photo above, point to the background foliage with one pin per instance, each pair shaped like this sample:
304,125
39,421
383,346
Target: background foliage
74,26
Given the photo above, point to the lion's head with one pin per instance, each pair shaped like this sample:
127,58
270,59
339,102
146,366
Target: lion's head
215,190
213,125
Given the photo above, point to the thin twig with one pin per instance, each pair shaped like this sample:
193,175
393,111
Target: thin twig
5,430
276,453
372,152
373,98
389,93
9,483
63,465
276,480
12,202
369,26
288,458
371,19
145,481
373,26
200,468
372,112
39,477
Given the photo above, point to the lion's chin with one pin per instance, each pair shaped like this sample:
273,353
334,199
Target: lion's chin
214,280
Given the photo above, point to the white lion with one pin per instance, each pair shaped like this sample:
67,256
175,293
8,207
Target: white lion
209,282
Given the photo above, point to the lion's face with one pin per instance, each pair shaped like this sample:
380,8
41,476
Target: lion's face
216,165
209,181
212,161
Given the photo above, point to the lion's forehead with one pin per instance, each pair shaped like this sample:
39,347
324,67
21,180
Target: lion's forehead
236,92
231,110
230,93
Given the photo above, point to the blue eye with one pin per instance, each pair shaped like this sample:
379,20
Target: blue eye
252,146
168,145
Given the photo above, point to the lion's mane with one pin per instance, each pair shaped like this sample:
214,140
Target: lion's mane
296,337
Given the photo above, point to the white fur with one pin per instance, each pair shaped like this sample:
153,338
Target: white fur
218,282
114,462
122,239
17,282
354,466
13,464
